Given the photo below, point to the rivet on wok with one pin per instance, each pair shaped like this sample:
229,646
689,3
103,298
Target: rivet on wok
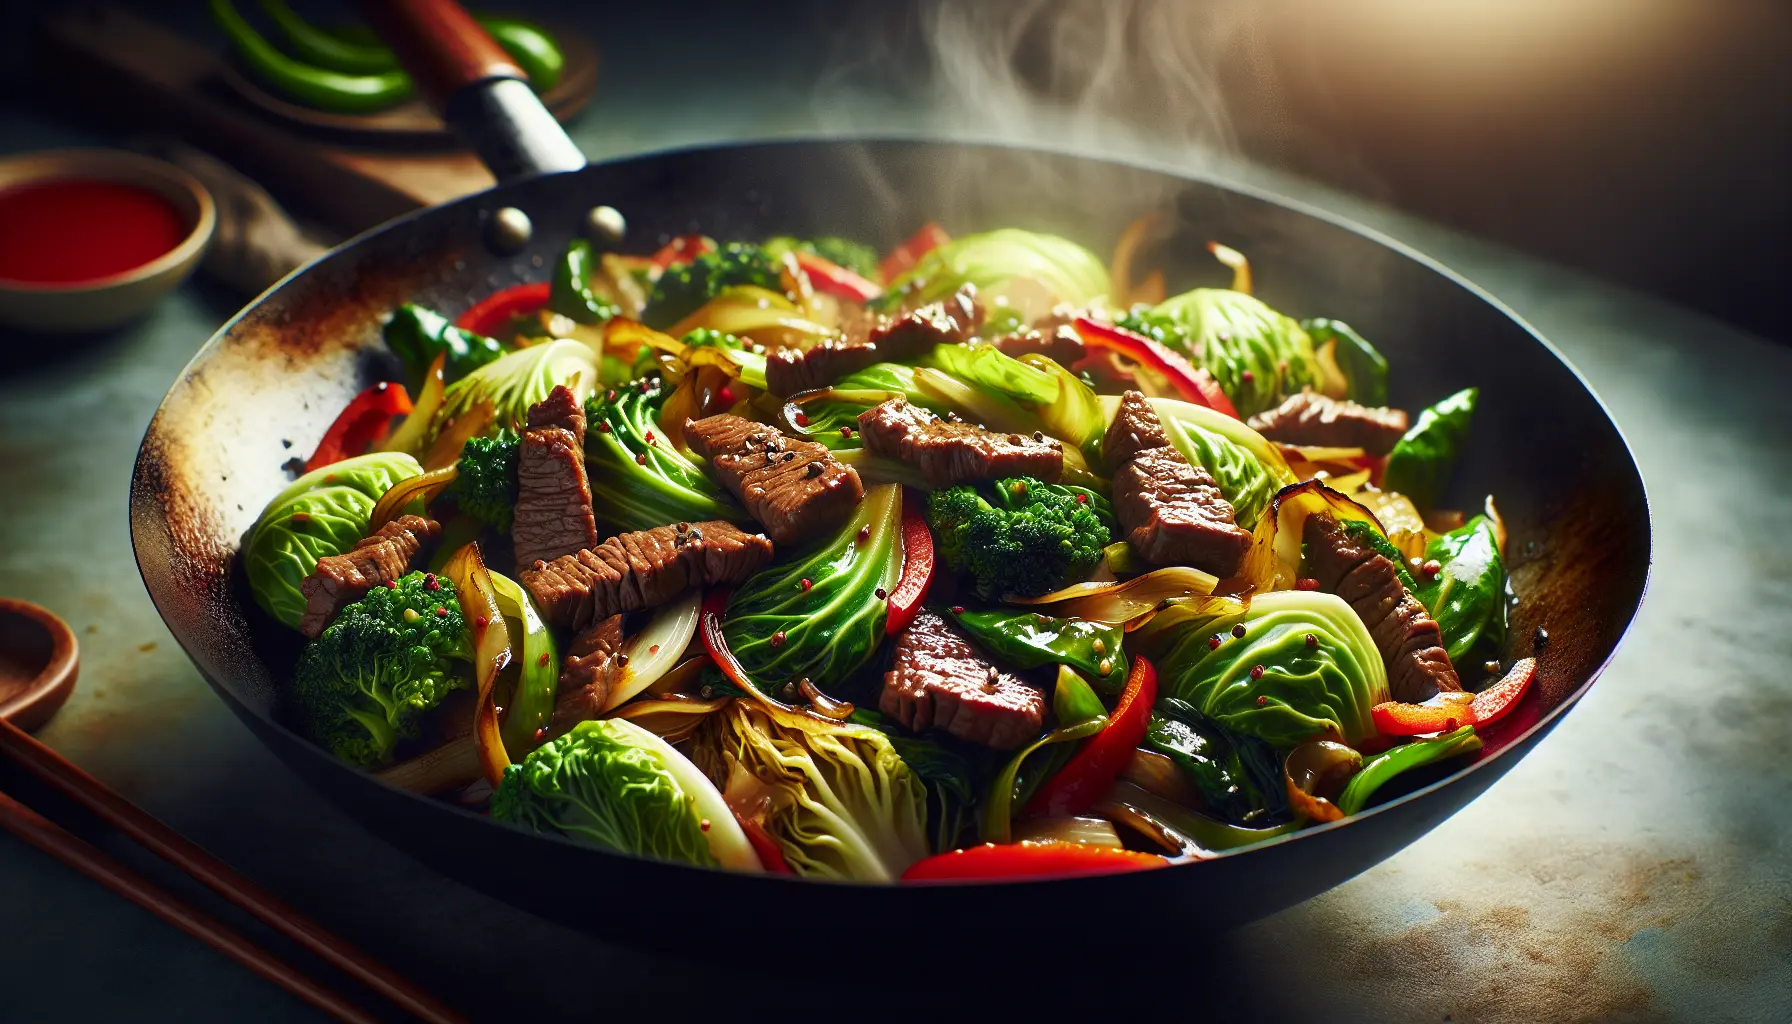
605,225
508,231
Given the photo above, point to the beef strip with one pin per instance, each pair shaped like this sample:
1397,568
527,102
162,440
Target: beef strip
938,680
790,370
1173,512
341,580
1311,418
1135,428
591,669
796,489
553,495
1060,344
642,569
1409,641
956,453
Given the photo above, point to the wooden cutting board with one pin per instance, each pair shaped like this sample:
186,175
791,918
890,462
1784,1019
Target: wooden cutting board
137,74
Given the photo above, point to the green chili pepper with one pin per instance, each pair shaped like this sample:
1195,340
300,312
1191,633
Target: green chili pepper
1029,639
1364,367
532,48
313,86
417,335
1380,768
570,293
1467,595
1080,715
1420,463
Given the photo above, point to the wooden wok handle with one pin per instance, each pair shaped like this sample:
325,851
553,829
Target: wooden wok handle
479,91
441,45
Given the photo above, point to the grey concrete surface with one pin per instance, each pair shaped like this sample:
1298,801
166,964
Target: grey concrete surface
1635,867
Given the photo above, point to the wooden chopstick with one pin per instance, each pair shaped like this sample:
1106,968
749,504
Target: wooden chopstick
56,841
171,846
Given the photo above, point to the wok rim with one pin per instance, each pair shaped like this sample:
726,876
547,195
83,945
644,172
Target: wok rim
1520,744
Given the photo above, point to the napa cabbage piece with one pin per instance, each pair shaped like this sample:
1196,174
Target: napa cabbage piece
782,631
838,798
325,512
1468,596
1321,689
1234,430
1243,480
514,382
1062,404
1258,355
612,784
994,259
669,487
947,774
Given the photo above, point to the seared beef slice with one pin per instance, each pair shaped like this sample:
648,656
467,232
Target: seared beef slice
642,569
796,489
956,453
1311,418
553,500
341,580
939,681
1409,641
1172,511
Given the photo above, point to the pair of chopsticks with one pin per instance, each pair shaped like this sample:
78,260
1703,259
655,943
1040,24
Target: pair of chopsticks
183,853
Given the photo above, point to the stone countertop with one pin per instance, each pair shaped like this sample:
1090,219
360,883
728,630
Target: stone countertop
1634,867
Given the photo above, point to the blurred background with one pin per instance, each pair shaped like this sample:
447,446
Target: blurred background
1646,141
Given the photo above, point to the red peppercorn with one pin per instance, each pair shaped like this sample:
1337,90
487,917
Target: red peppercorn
540,734
864,534
1082,499
543,660
1256,671
1262,701
802,419
1247,376
441,612
641,459
881,593
482,622
1306,583
650,439
610,396
1214,641
958,609
603,426
778,638
725,395
845,431
805,584
1431,568
391,584
1312,641
1238,631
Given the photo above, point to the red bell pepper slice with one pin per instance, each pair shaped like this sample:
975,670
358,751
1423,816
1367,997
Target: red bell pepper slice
903,258
1030,859
917,566
362,424
1091,773
831,277
492,314
771,857
1191,382
682,249
1445,713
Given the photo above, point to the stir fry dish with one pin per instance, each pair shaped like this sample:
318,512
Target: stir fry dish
974,560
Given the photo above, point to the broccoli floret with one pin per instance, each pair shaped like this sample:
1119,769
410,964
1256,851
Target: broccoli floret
485,484
681,289
387,660
1025,537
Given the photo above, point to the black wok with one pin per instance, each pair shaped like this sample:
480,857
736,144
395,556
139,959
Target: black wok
266,386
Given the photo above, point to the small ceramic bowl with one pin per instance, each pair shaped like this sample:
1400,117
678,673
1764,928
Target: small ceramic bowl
107,301
38,659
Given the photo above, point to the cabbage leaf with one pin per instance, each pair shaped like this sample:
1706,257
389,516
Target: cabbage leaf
994,258
1258,355
514,382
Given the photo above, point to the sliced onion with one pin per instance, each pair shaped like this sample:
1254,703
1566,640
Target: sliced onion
657,648
1350,483
672,718
1155,773
491,652
1241,267
424,488
445,450
1314,773
1085,831
1115,603
1120,290
821,703
796,283
681,680
450,766
414,431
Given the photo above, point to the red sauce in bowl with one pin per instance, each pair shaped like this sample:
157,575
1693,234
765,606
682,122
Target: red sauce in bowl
74,230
